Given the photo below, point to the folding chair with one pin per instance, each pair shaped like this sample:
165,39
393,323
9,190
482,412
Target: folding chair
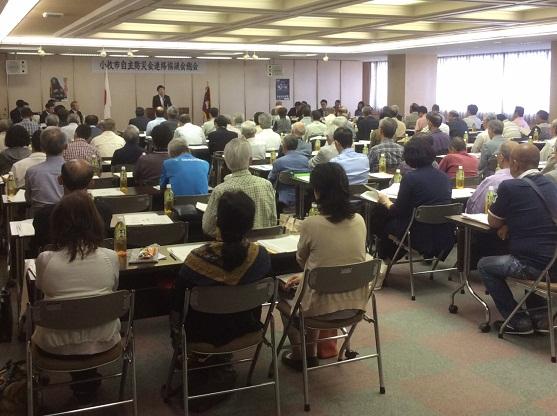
127,203
425,214
227,300
75,314
541,288
331,280
100,183
163,234
265,232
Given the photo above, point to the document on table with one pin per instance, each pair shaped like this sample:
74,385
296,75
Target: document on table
198,147
304,177
481,218
128,174
462,193
371,195
142,218
201,206
287,244
262,167
182,251
381,175
105,192
22,228
19,197
392,191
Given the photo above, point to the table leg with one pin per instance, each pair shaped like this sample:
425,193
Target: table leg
302,204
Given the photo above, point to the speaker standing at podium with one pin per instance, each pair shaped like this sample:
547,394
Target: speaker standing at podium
161,99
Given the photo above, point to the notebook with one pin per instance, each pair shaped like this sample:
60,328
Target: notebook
481,218
180,252
105,192
287,244
201,206
143,218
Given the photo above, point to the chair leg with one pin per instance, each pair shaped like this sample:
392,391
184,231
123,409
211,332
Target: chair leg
346,344
411,265
551,326
275,365
304,363
123,378
134,379
377,344
184,372
253,363
435,263
168,387
30,392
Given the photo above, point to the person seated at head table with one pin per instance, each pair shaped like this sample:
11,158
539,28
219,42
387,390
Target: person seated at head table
356,165
37,156
495,132
184,172
220,135
359,109
366,123
425,185
131,151
48,109
191,133
159,119
230,261
261,191
283,125
316,248
149,166
140,120
80,148
542,126
77,266
526,219
17,148
108,141
458,156
294,161
329,150
41,181
471,119
392,151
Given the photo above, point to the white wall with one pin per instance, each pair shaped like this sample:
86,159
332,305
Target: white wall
236,86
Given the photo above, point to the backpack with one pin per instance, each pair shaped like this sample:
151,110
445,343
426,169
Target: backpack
13,389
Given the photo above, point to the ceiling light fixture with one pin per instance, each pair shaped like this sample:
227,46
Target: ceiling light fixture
52,14
326,58
41,51
14,11
130,54
102,53
254,56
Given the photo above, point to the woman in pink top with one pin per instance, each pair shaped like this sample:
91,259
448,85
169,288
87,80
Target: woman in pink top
459,157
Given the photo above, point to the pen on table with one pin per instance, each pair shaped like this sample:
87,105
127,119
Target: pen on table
172,255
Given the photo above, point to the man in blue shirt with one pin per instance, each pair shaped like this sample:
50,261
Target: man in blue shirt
523,217
186,173
293,160
356,165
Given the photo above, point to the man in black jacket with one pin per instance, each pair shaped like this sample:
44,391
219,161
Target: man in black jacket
140,121
161,99
221,136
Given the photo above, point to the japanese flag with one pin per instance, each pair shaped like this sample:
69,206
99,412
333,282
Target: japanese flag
107,99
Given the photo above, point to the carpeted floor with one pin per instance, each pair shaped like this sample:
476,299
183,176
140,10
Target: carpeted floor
435,363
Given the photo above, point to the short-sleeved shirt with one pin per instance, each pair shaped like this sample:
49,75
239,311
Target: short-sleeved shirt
187,175
532,233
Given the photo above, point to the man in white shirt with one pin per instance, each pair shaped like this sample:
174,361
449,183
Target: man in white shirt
258,145
549,147
191,133
483,137
315,128
159,119
108,141
471,119
209,125
267,135
69,130
20,167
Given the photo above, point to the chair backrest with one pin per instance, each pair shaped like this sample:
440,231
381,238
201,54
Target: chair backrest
469,181
259,162
285,178
163,234
190,199
127,203
80,313
108,243
100,183
436,214
344,278
265,232
232,299
357,189
118,168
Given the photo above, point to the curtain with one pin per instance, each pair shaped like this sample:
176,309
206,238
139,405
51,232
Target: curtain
378,84
494,82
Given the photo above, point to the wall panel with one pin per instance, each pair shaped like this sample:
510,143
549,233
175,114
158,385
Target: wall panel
257,87
231,87
328,81
351,73
305,85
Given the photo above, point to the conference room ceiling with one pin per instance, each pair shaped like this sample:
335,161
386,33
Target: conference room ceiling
295,23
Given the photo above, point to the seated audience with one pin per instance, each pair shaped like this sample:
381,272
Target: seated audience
495,131
510,129
218,138
542,126
471,119
440,139
457,127
421,123
317,248
411,118
518,211
476,203
299,131
108,141
75,175
236,123
17,148
41,181
69,129
550,169
483,136
356,165
547,150
131,151
159,119
458,156
148,167
293,161
283,124
328,151
392,151
15,114
359,110
140,120
209,125
37,156
267,135
401,127
92,121
366,124
187,174
518,119
80,148
4,126
52,120
27,121
260,190
306,115
48,109
62,114
316,127
192,134
171,119
258,146
77,267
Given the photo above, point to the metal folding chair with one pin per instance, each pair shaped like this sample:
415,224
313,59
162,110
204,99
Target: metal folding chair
542,287
425,214
75,314
227,300
336,280
127,203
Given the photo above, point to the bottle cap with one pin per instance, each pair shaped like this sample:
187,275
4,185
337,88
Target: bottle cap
382,154
168,186
314,204
397,171
460,167
491,188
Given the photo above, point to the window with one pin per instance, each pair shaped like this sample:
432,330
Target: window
379,84
495,82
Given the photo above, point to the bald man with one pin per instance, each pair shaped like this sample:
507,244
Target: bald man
523,217
76,175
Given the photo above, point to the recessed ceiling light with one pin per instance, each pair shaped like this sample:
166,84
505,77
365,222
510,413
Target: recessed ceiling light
326,58
14,11
52,14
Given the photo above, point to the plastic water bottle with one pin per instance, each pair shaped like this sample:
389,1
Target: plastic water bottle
96,164
460,178
120,237
398,177
123,180
490,198
365,150
383,163
313,210
273,156
11,186
317,144
536,135
168,200
465,137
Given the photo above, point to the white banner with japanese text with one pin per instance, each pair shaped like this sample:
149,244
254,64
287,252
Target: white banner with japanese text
146,65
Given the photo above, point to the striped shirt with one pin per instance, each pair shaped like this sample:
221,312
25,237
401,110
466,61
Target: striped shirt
29,125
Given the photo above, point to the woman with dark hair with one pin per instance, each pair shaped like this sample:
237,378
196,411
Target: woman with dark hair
335,237
424,185
358,111
77,266
17,147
